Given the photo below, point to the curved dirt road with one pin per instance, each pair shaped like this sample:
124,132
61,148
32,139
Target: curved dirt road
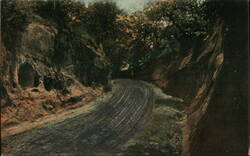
99,132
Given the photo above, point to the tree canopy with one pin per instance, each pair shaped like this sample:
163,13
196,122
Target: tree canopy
110,38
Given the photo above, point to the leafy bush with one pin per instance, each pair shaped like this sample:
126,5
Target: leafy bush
162,27
64,12
181,18
102,39
100,21
14,18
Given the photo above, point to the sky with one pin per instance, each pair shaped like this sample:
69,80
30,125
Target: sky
127,5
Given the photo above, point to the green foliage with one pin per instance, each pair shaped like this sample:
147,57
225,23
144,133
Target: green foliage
14,18
100,20
181,19
64,12
103,34
86,28
101,25
162,27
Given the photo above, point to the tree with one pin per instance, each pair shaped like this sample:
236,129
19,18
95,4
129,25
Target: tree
100,21
183,18
14,18
65,13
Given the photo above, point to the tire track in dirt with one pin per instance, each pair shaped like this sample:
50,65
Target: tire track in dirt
112,123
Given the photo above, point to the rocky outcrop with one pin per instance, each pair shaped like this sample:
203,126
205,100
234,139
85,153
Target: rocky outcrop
32,83
212,81
46,68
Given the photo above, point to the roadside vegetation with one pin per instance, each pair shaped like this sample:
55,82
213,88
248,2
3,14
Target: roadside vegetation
105,40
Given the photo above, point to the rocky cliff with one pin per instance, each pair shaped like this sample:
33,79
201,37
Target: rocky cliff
211,78
48,70
33,82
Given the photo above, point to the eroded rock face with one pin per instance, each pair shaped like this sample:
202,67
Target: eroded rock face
38,40
193,78
32,83
211,83
27,76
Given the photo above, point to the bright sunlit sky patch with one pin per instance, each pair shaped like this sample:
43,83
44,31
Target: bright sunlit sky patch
127,5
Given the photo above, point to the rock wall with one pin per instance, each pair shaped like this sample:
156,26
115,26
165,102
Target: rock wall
211,78
32,83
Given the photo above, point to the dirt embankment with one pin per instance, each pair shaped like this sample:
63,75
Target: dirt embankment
212,81
32,85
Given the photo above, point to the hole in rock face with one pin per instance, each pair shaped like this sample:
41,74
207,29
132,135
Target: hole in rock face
27,76
3,92
50,83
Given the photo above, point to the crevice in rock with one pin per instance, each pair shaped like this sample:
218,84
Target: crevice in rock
27,76
50,83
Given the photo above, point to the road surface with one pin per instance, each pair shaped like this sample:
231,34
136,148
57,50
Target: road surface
99,132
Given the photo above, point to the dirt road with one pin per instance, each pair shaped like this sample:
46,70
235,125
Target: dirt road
98,132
